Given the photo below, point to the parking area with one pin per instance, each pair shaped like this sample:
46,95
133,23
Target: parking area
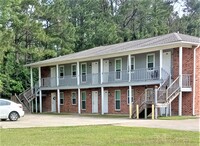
42,120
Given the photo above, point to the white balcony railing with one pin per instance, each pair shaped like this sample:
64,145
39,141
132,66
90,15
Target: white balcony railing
145,74
115,77
107,78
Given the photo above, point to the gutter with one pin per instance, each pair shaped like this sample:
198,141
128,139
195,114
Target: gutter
194,81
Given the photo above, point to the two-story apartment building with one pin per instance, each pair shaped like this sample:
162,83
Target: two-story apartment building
106,79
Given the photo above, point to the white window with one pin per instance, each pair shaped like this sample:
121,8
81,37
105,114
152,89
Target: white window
132,64
61,98
83,100
150,61
61,71
117,99
83,72
74,97
118,68
132,99
73,70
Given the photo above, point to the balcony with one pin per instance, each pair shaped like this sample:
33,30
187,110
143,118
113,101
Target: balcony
108,78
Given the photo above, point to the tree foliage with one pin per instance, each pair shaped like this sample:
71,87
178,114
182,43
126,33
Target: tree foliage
33,30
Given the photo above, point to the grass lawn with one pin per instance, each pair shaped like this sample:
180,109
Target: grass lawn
97,135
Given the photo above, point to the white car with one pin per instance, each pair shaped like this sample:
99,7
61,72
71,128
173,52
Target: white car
11,110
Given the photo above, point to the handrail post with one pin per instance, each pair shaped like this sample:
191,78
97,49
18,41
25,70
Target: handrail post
137,111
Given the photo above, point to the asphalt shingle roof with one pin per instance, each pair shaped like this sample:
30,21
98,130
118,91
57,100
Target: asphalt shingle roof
123,47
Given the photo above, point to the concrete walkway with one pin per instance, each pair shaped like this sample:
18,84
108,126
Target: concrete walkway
37,120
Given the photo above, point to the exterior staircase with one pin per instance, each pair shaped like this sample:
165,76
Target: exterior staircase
144,102
27,96
166,93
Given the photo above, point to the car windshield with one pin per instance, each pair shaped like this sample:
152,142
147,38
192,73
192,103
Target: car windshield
3,103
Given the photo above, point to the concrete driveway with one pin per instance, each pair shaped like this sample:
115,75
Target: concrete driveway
40,120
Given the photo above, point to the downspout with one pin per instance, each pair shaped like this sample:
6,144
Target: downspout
194,81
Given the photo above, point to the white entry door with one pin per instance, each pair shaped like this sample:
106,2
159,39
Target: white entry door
53,102
105,70
167,62
105,105
94,101
53,77
95,73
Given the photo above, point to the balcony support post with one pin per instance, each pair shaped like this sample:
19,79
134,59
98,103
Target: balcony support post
57,75
31,74
101,70
161,63
145,110
129,67
155,102
102,100
130,102
78,73
36,105
180,80
58,99
79,101
40,101
39,73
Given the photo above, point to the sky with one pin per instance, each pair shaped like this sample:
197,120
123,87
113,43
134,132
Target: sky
179,6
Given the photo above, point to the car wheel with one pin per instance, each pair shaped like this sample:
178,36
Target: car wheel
13,116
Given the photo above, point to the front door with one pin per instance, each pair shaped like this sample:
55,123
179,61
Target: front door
105,106
53,102
105,70
167,62
53,77
95,73
94,101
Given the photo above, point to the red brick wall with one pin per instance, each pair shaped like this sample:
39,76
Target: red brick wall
111,100
46,102
197,95
188,55
89,100
69,108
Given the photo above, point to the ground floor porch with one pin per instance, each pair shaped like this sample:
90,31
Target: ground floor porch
104,100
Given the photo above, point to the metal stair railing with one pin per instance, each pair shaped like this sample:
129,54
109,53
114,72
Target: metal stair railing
161,91
27,96
140,102
173,90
